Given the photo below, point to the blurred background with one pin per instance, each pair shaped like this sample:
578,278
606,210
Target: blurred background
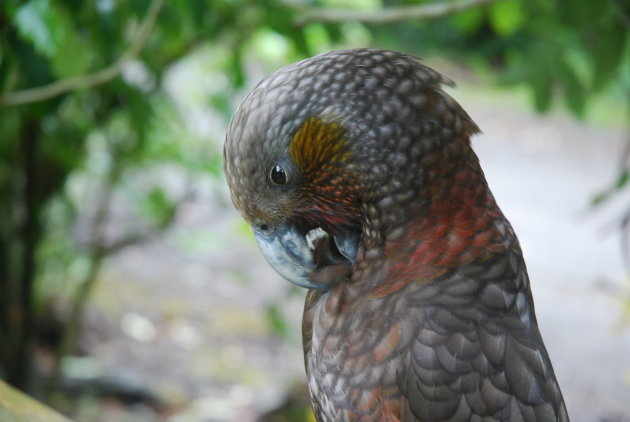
130,290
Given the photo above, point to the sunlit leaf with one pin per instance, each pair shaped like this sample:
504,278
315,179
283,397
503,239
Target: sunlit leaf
507,17
73,55
244,230
316,35
38,22
270,45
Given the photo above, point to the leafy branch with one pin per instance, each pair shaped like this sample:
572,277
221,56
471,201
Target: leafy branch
91,79
386,15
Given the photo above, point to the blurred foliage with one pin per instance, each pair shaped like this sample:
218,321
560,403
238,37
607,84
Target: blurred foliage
99,99
572,53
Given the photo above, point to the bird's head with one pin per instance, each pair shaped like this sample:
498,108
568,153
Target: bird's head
332,156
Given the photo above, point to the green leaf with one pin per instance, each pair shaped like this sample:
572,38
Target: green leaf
221,103
32,68
65,146
607,52
244,231
280,19
541,85
191,13
335,34
574,91
469,20
583,13
622,179
37,22
276,320
600,197
506,17
214,164
73,55
300,43
237,72
316,35
158,207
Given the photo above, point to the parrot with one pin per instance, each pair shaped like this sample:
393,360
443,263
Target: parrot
356,172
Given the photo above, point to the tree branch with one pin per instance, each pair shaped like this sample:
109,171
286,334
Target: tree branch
91,79
386,15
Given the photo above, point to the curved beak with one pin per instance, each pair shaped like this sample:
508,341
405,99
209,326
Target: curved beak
291,254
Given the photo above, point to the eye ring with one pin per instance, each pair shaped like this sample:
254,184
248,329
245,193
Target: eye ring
278,175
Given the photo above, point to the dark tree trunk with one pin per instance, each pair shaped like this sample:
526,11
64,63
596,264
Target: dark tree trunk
22,316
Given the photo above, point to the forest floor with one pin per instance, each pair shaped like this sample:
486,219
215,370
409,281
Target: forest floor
200,320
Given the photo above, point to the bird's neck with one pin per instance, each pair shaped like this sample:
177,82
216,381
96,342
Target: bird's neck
460,225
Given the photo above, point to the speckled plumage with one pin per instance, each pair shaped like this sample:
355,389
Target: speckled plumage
434,319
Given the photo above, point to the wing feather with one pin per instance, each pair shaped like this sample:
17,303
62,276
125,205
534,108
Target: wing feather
481,359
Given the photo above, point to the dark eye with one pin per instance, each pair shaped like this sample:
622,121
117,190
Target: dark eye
278,175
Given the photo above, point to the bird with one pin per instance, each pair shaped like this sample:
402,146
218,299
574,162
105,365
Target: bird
356,172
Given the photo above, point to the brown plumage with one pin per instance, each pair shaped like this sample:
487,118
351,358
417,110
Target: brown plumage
420,306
